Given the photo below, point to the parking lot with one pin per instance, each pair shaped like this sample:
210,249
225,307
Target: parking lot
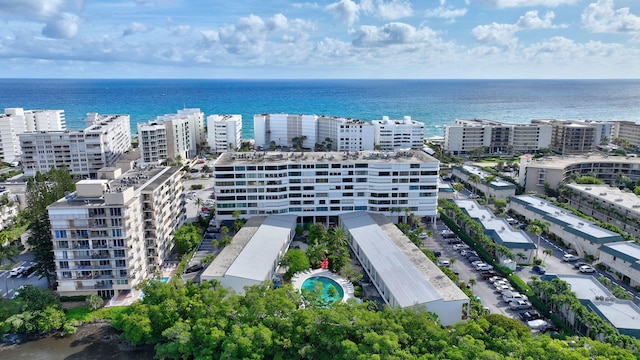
9,283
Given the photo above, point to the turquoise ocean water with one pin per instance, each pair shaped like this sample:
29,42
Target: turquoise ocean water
434,102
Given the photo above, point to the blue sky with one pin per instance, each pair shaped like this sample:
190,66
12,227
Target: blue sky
320,39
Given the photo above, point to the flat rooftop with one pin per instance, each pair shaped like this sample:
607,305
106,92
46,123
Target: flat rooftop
622,314
627,250
254,248
405,270
624,199
497,182
561,162
497,227
282,157
566,219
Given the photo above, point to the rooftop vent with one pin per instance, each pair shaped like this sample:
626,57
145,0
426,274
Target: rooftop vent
587,188
603,194
618,199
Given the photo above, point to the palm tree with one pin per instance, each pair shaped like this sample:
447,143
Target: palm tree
199,202
8,253
337,237
472,282
538,227
458,187
475,179
546,253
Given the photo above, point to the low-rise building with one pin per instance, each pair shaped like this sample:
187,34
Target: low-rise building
319,186
254,254
553,170
398,134
115,231
495,188
402,274
606,203
82,152
622,314
580,234
496,228
622,257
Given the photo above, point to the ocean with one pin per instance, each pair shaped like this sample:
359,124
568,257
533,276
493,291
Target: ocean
434,102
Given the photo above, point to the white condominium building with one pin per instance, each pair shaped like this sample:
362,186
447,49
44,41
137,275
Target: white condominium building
16,121
116,230
344,134
398,134
281,129
183,136
83,152
224,132
627,130
319,186
467,135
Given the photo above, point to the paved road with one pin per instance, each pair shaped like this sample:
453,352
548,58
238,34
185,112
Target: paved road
9,284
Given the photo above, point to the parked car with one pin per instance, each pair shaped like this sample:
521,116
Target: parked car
470,253
209,236
520,305
194,268
460,247
487,275
538,269
511,296
483,267
454,241
569,257
437,253
444,263
498,278
579,263
530,315
587,269
422,236
446,234
472,259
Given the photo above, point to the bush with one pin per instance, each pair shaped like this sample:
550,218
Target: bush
196,187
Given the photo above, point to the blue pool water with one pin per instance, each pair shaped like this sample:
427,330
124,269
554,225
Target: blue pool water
311,282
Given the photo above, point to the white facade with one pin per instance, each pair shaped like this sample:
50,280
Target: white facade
184,134
9,207
83,152
152,142
321,133
345,134
627,130
497,188
283,128
115,231
398,134
469,134
402,274
224,132
254,253
581,235
16,121
318,186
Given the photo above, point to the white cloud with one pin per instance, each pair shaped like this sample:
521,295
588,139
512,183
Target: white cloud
392,34
395,9
500,4
349,11
180,30
504,34
601,17
65,26
136,28
445,13
345,10
60,17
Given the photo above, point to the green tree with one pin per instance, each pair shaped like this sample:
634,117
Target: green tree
296,260
8,253
475,179
41,244
93,301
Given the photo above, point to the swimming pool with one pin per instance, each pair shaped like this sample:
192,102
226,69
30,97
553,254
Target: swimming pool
327,295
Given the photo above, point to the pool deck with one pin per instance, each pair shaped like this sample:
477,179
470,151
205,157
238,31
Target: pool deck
299,278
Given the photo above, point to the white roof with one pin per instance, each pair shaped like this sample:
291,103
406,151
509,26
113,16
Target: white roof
398,274
254,250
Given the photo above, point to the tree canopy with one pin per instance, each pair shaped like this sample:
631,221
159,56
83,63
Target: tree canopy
207,322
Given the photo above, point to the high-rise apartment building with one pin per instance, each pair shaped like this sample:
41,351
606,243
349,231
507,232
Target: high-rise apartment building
16,121
467,135
182,137
224,132
627,130
319,186
398,134
116,230
576,136
82,152
328,133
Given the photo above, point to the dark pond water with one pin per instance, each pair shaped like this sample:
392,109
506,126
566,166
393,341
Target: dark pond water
98,341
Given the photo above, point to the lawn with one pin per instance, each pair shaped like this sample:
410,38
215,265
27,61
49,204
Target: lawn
84,314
